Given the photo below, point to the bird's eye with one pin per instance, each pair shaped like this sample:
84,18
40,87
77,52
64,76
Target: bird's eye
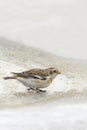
54,71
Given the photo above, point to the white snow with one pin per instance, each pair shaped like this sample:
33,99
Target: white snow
69,117
64,106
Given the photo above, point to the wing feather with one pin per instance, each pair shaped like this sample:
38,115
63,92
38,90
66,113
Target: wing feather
29,75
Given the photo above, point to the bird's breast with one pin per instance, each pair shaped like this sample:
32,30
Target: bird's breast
36,83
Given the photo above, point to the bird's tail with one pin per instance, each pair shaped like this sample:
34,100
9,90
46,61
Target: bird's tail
5,78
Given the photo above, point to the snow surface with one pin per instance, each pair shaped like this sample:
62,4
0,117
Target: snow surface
63,106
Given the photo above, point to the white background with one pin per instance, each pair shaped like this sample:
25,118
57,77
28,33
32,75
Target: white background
58,26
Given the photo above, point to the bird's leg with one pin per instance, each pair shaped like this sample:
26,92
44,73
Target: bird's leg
40,90
29,89
37,90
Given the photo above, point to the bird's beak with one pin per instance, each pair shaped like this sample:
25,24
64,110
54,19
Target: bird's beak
58,72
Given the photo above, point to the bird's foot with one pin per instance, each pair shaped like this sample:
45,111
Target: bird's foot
40,90
29,89
37,90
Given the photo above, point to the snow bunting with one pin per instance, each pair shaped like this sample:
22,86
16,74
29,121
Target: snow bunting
36,79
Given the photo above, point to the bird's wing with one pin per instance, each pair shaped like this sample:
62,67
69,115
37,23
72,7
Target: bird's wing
29,75
38,77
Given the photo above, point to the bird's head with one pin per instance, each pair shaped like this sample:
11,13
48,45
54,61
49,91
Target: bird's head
53,72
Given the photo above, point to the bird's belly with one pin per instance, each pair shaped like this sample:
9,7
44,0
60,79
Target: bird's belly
36,83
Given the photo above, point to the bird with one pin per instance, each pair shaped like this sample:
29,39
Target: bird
36,79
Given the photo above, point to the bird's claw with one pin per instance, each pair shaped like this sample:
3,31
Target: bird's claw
37,90
40,90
